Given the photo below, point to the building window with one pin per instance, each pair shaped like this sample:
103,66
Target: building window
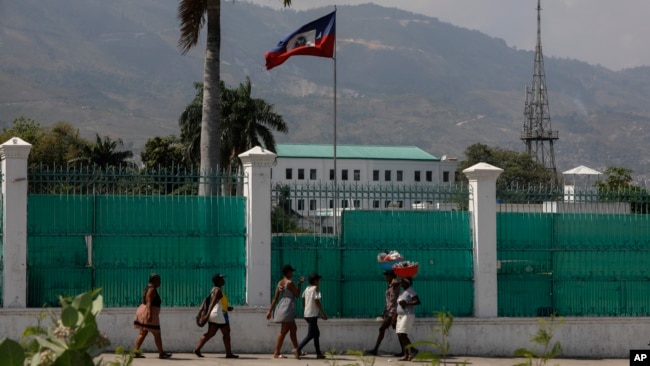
331,174
375,175
386,204
399,175
429,176
344,174
416,177
312,174
445,176
328,230
312,205
301,174
288,174
301,205
375,204
357,174
357,203
400,204
345,203
387,175
331,203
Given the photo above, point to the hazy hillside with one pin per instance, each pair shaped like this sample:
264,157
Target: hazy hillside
402,78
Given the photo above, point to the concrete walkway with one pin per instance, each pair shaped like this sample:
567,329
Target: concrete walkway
187,359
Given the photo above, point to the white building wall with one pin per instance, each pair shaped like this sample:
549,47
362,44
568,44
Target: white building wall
366,168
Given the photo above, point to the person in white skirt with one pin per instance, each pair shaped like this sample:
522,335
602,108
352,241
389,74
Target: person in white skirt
406,303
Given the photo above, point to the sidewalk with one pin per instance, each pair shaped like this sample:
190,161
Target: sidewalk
187,359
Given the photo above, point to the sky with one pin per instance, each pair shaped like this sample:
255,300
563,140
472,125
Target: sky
610,33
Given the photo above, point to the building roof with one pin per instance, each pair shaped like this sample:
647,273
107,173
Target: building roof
353,152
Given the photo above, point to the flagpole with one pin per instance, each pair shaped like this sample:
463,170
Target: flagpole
336,185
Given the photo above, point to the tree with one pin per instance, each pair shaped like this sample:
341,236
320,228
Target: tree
192,16
163,153
246,123
56,145
617,178
618,187
104,153
519,168
190,126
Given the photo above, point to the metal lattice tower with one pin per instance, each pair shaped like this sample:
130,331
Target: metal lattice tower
537,133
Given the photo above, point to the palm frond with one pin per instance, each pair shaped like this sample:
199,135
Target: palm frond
191,14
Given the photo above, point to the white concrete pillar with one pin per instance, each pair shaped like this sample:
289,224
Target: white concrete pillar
482,206
14,154
257,164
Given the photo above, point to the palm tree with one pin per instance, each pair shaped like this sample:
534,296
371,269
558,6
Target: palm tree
245,123
190,125
192,16
104,154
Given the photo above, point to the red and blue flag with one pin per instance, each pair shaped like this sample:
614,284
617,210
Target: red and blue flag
313,39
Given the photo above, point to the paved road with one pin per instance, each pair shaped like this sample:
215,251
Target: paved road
189,359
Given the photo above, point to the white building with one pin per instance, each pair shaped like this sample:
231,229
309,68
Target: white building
368,177
358,163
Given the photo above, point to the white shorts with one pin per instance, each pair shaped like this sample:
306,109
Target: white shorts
405,323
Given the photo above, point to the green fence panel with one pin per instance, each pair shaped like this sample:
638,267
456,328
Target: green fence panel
59,214
524,264
181,215
116,242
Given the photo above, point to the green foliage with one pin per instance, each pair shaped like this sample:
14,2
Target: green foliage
164,153
618,187
246,122
11,353
73,339
617,178
104,153
439,341
519,168
543,338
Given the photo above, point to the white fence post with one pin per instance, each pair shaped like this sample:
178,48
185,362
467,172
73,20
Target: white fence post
14,154
482,206
257,164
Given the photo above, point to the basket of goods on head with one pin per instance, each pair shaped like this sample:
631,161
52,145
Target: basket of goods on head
386,260
406,269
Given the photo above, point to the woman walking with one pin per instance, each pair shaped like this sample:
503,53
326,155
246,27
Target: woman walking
216,320
285,311
406,302
147,318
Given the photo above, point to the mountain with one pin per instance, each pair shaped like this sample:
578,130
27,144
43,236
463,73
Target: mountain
113,68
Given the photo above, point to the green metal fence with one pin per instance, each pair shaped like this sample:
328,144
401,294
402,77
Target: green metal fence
78,242
582,257
352,283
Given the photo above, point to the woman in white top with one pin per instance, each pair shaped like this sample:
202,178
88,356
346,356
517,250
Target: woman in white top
406,302
216,320
313,308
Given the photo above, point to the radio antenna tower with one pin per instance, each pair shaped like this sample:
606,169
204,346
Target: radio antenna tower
537,133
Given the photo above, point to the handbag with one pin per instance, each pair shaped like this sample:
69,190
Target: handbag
204,311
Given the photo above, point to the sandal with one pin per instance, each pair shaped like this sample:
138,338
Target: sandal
164,355
296,354
138,355
198,353
232,356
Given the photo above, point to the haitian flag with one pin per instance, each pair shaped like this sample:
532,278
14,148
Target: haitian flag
313,39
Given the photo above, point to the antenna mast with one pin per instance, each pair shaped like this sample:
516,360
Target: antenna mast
537,133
